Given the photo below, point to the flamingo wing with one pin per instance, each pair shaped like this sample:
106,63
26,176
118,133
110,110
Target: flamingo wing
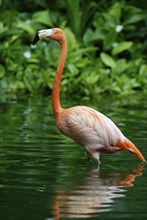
90,128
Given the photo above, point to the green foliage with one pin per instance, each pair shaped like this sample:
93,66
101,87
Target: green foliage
80,13
107,60
107,47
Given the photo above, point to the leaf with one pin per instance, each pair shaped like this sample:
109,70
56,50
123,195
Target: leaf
99,35
72,69
121,47
26,27
116,10
143,70
71,39
88,36
109,39
110,21
43,17
73,9
135,18
107,60
93,78
2,71
121,66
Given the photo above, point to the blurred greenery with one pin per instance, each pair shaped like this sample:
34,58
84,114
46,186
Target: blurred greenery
107,46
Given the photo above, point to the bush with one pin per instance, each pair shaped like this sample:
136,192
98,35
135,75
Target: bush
106,47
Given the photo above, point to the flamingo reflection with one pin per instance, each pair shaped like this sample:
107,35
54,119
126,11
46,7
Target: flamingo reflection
94,194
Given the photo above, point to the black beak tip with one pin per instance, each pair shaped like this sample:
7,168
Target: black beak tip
36,39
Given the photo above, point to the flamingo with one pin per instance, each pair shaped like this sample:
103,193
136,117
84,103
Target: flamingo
86,126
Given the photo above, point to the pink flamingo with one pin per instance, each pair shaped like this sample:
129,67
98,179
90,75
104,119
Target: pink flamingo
88,127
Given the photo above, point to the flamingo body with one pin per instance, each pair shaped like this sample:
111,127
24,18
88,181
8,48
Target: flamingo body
96,132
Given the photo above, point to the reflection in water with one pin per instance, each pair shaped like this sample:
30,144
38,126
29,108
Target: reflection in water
94,194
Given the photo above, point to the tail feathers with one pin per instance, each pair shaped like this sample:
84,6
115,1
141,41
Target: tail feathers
128,145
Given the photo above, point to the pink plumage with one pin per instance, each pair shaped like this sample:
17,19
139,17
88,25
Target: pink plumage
91,129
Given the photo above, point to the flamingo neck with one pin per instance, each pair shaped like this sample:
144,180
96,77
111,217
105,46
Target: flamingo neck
57,80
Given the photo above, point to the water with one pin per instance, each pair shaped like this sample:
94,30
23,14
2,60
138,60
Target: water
45,175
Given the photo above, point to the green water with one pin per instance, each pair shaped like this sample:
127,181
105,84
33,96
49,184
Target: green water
45,175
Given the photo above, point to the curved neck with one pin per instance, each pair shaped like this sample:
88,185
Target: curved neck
57,80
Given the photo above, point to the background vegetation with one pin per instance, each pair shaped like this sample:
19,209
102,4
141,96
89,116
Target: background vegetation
107,46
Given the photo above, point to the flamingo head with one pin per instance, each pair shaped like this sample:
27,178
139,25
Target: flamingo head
54,34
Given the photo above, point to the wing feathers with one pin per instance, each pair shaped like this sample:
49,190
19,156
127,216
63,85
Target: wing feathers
92,127
128,145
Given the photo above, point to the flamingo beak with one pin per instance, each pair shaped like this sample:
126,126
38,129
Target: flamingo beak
36,39
43,34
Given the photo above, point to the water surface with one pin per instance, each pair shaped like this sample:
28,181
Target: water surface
45,175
